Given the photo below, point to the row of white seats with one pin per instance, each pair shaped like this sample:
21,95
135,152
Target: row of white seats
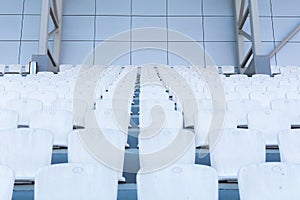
25,150
87,181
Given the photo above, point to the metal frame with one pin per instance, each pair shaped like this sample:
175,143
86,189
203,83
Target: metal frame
53,13
253,61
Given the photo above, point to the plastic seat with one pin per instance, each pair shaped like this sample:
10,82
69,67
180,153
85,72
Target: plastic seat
274,181
268,122
65,67
7,179
240,109
177,183
169,118
228,69
25,107
77,152
77,106
76,182
203,125
8,119
289,146
2,69
235,148
6,97
25,151
265,97
47,97
15,68
291,107
153,144
60,123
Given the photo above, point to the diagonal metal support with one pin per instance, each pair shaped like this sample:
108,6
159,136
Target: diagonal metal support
283,42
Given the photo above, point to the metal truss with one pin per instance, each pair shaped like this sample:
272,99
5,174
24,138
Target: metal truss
51,12
253,61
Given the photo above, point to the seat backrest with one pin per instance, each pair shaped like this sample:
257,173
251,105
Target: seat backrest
274,181
155,144
16,68
6,96
178,182
269,122
47,97
234,149
289,106
289,146
78,153
25,151
8,119
7,179
240,109
65,67
25,107
60,123
75,181
77,106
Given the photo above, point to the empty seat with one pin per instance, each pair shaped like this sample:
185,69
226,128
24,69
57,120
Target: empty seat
235,148
75,181
47,97
8,119
6,97
7,179
274,181
291,107
15,68
77,152
60,123
77,106
168,118
266,97
240,109
25,151
228,69
177,183
204,124
2,69
289,146
155,147
65,67
25,107
268,122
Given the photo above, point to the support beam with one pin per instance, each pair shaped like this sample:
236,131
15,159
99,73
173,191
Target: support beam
54,14
253,61
283,43
57,38
255,27
44,27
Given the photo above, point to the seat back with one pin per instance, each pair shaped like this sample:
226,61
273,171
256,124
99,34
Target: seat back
25,151
274,181
178,182
6,183
75,181
234,149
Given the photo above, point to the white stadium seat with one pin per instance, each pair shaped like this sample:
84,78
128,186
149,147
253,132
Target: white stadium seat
76,182
235,148
60,123
7,179
274,181
178,182
25,151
